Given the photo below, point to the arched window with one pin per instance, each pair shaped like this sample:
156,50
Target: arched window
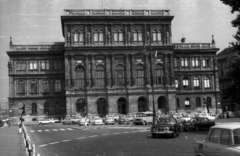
206,82
198,102
79,77
139,75
21,87
187,103
157,36
196,82
176,62
159,74
137,36
80,105
120,75
98,37
46,108
45,86
161,103
178,103
205,62
33,87
209,102
57,86
185,83
177,83
118,36
100,76
34,108
75,37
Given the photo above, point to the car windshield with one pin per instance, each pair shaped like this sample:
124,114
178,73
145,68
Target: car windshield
236,136
166,121
140,115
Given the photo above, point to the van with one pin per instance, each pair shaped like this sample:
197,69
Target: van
143,118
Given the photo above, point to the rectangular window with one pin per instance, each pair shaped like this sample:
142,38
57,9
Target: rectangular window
120,36
21,65
196,83
226,138
33,65
206,84
45,65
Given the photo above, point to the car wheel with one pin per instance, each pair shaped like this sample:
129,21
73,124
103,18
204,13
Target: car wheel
154,135
174,135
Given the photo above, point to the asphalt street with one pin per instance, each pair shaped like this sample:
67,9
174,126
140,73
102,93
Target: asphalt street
69,140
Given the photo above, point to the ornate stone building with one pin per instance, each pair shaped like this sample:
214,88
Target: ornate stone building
114,61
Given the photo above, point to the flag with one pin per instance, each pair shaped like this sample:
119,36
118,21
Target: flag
155,54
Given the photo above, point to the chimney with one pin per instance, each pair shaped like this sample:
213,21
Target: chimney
183,40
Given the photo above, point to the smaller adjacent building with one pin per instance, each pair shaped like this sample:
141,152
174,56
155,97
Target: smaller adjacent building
224,81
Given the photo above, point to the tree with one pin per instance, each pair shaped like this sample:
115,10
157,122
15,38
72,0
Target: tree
232,91
235,5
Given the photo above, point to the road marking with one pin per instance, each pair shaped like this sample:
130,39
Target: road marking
32,131
93,136
46,130
81,138
135,131
105,134
125,132
66,140
69,129
116,133
43,145
39,130
54,129
62,129
53,143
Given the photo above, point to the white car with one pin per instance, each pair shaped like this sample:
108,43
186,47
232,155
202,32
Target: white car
109,121
114,116
45,121
185,118
83,120
222,140
98,121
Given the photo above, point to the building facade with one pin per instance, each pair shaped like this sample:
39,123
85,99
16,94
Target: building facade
113,61
224,81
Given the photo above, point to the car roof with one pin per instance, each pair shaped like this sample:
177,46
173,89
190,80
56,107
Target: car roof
229,125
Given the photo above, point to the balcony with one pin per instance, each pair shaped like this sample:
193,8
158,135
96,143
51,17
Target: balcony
117,12
44,47
194,45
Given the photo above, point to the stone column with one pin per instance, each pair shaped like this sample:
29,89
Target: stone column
133,70
107,69
87,71
127,71
125,35
147,69
113,69
166,69
93,71
105,34
85,35
67,71
172,70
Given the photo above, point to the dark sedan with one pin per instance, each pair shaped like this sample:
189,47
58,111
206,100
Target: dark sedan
198,123
166,126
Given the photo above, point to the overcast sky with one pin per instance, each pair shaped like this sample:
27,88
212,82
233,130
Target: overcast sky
34,21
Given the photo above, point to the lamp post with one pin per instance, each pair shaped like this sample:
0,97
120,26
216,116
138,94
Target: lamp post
152,83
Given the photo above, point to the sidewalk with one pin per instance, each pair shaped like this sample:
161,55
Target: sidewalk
11,142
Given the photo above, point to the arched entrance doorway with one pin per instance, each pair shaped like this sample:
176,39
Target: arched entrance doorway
122,106
142,104
81,107
162,104
102,107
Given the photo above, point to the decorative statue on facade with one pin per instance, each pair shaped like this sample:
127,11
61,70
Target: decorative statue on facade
168,37
128,37
68,35
88,37
9,65
148,38
108,36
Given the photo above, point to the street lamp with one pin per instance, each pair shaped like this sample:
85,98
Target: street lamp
152,83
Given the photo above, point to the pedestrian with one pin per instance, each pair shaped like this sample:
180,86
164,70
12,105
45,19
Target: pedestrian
86,122
20,126
9,123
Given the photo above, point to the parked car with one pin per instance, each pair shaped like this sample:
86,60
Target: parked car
83,120
109,121
76,119
143,118
55,120
230,114
222,140
67,121
45,121
185,118
198,123
98,121
1,123
114,116
125,119
166,126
